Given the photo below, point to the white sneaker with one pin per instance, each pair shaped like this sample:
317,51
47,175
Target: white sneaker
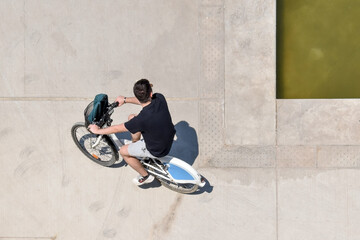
139,180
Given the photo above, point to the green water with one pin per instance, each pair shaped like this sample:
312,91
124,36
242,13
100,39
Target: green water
318,48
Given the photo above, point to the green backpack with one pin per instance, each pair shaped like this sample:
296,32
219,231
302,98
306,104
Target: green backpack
96,109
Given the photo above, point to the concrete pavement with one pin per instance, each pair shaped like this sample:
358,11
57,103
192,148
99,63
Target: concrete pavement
276,169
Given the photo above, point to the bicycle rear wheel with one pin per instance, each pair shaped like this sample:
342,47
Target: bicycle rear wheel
178,187
104,153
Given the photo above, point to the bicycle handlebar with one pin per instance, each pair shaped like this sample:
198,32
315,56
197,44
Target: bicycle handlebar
114,105
103,119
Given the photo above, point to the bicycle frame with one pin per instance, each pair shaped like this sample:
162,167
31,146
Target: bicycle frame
159,169
113,137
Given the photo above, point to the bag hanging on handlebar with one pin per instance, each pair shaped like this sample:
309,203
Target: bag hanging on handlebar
96,109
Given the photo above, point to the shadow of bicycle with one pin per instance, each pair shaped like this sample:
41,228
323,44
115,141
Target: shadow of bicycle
184,147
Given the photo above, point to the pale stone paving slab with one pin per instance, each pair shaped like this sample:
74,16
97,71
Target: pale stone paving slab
318,204
318,122
12,48
250,76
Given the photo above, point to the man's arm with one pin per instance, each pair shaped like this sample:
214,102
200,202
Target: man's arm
105,131
122,100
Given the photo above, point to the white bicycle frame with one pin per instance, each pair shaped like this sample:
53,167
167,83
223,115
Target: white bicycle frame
176,170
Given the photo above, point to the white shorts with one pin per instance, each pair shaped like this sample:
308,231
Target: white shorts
138,150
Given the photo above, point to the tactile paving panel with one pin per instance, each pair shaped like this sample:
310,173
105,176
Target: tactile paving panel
211,84
211,128
241,156
211,19
338,156
296,156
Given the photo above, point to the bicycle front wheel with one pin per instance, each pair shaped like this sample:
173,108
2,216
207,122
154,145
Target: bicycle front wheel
104,153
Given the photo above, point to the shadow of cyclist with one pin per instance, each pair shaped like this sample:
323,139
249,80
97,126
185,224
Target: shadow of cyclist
185,146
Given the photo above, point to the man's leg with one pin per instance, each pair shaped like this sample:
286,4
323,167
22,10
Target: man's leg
130,153
132,161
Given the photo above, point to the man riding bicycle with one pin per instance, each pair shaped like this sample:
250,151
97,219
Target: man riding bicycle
153,122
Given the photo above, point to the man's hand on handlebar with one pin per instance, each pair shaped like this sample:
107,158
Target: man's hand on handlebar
93,128
120,100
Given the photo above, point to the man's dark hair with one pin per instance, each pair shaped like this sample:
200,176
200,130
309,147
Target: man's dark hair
142,90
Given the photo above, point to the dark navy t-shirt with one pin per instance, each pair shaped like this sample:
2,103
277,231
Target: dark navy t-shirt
155,124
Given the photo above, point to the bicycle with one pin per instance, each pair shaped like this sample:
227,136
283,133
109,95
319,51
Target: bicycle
173,173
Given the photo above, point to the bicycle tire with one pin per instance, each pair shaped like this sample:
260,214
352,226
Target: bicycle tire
104,153
177,187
